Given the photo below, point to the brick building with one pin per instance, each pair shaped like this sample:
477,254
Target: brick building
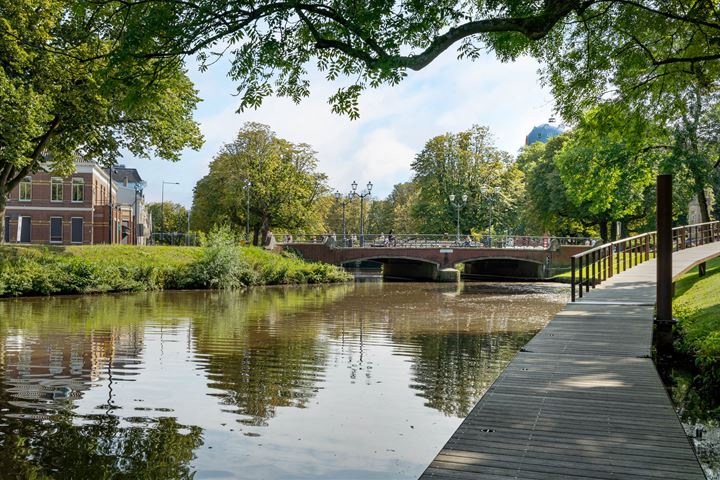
47,209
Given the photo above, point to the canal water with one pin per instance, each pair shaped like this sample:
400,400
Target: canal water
356,381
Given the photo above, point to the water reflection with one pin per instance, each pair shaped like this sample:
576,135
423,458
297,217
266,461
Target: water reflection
349,381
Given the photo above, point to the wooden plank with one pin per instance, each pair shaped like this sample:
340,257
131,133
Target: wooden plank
583,399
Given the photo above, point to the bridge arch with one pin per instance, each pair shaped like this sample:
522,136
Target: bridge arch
504,267
402,267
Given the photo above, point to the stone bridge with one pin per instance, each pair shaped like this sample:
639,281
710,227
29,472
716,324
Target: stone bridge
438,263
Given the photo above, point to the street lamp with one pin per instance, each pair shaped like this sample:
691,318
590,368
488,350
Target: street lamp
162,207
458,206
362,195
487,190
343,201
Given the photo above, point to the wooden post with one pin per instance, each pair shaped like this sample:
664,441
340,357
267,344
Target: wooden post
580,275
664,240
664,264
572,279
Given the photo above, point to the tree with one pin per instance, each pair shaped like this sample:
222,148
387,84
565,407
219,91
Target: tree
170,217
590,45
283,183
466,163
62,96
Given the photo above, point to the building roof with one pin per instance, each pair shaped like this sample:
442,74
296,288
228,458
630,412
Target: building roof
542,133
120,172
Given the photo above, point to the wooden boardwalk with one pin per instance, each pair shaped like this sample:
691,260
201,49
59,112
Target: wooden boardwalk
582,400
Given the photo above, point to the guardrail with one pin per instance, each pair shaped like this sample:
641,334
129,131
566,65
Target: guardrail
594,266
435,241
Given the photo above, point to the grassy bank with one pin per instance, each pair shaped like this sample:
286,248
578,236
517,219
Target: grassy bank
625,262
221,263
697,308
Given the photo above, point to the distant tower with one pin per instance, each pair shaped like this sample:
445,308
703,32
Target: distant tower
542,133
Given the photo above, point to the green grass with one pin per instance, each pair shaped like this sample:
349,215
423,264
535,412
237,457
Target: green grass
697,308
117,268
638,258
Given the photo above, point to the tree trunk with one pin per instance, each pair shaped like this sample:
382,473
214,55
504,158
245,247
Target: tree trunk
613,231
265,229
702,202
3,204
256,234
604,231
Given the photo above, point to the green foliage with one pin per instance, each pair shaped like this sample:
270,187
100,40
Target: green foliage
221,263
64,94
633,49
697,308
280,178
465,163
99,448
172,217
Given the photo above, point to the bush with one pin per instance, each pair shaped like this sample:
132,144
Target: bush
221,262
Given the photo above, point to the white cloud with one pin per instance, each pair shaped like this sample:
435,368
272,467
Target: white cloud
395,122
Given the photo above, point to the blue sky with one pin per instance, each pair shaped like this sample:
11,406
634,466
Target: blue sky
395,122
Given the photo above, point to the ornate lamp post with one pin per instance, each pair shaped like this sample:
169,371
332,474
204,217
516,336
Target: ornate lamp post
490,192
343,201
458,206
162,207
362,195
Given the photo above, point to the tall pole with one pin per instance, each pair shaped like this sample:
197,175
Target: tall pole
247,212
162,208
664,247
458,223
664,263
162,212
458,206
362,222
362,195
110,208
343,223
187,240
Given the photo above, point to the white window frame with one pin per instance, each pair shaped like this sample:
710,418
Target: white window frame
20,190
77,181
82,231
61,230
53,181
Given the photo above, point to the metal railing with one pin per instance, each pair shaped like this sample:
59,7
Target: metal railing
174,238
435,241
594,266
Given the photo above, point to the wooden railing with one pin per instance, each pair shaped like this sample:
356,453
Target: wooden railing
594,266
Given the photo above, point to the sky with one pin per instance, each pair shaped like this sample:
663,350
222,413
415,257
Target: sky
449,95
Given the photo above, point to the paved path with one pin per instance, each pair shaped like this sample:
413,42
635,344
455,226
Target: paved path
582,400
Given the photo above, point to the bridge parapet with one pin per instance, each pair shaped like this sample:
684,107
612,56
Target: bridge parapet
419,240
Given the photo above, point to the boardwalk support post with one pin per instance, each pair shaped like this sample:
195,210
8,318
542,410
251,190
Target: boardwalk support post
664,317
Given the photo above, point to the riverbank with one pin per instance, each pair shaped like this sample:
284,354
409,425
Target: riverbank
697,308
125,268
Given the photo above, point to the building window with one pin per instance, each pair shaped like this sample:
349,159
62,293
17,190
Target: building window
56,230
56,189
25,190
78,190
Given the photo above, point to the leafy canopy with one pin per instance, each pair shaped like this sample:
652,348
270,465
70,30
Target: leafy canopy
589,45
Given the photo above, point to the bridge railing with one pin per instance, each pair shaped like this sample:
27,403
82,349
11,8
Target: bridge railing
592,267
435,241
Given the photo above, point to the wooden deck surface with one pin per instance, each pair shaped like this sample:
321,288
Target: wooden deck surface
582,400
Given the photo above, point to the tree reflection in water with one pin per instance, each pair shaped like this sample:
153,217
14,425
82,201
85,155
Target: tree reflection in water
71,370
97,448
